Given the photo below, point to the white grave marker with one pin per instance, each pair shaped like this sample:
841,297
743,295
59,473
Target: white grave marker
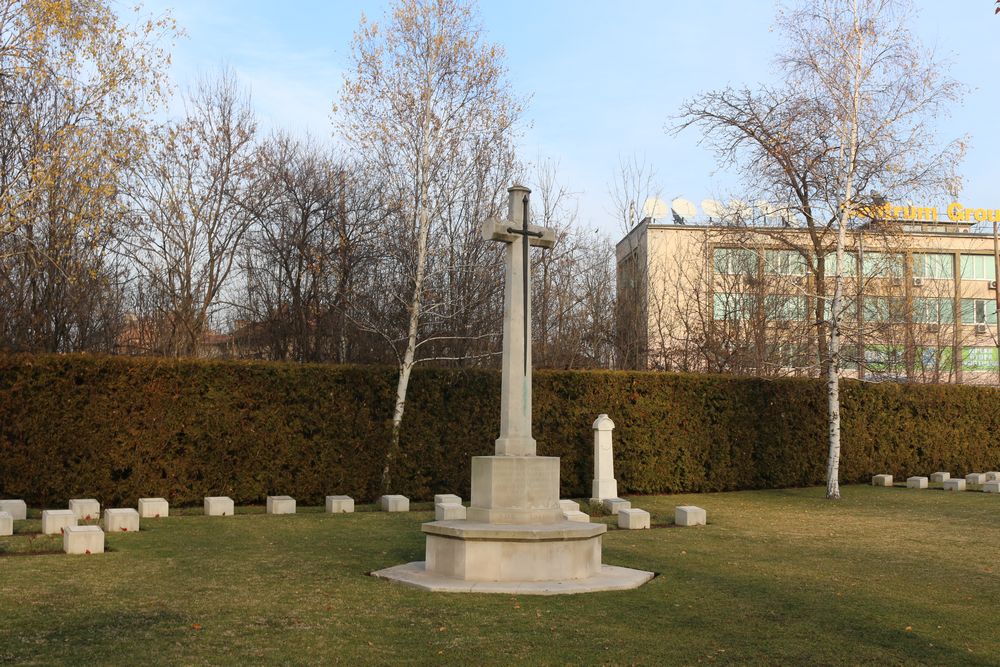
605,485
17,509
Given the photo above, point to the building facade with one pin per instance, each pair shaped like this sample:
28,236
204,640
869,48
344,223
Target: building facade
919,299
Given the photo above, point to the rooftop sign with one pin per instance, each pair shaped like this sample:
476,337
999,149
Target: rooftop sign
955,213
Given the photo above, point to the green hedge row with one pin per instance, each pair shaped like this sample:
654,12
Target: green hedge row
119,428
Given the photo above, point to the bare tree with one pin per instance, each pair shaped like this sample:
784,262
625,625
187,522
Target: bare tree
854,116
426,104
192,201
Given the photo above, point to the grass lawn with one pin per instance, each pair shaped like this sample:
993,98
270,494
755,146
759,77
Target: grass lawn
888,576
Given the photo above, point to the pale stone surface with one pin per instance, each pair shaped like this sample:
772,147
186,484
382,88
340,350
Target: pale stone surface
6,524
882,480
954,485
152,508
83,539
610,578
569,506
121,520
515,379
633,519
993,486
280,505
577,515
447,498
515,539
939,477
393,503
449,512
975,478
219,506
86,509
515,489
689,515
339,504
991,476
916,482
506,552
55,521
17,509
615,505
605,485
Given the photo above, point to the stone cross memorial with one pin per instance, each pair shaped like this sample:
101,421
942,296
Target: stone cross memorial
515,538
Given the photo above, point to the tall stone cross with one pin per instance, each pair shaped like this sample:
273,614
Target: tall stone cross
515,386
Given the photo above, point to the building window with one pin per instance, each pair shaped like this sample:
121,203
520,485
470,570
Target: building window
785,263
933,265
882,265
784,308
978,267
885,361
848,309
979,311
735,261
789,355
732,307
930,359
933,310
979,358
849,267
885,309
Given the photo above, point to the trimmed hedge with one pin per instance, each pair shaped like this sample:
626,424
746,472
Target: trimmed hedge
118,428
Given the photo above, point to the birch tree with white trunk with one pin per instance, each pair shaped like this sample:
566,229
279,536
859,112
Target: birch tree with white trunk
425,102
854,116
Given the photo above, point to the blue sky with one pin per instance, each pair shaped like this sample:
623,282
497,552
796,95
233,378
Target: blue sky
603,77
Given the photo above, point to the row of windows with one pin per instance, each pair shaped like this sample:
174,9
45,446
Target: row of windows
743,261
890,359
926,310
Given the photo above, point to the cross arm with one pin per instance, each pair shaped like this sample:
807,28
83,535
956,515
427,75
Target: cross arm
495,229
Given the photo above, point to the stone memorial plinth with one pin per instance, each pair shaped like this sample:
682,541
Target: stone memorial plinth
85,509
219,506
940,477
56,521
6,524
280,505
449,512
633,519
121,520
957,484
916,482
394,503
339,504
991,476
577,516
689,515
83,540
882,480
153,508
17,509
975,478
447,498
515,538
993,486
615,505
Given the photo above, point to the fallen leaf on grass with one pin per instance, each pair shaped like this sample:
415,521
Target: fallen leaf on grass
196,626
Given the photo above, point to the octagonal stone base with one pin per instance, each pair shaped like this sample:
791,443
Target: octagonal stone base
532,559
610,578
513,552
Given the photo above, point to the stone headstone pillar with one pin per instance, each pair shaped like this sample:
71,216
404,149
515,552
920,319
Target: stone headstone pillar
605,485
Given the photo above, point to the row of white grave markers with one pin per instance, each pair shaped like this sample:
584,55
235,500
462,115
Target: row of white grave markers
989,481
89,539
